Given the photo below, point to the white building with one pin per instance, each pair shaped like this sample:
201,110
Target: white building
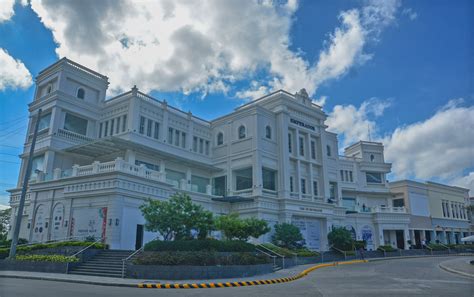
97,160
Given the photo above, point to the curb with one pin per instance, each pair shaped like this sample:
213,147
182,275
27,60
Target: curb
244,283
455,271
420,256
70,281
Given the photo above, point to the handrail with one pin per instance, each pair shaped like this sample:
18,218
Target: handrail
128,258
383,250
87,247
271,256
272,251
341,251
430,248
294,254
449,249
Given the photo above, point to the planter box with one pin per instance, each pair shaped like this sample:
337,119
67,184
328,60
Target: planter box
52,267
195,272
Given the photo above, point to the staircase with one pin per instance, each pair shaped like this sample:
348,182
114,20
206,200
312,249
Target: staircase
106,263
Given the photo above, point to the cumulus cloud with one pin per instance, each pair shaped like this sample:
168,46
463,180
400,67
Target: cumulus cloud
6,10
13,73
441,146
355,123
410,13
205,46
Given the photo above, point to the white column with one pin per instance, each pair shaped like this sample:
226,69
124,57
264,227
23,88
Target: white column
282,120
164,125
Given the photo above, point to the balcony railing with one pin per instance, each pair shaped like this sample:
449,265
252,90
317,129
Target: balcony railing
76,137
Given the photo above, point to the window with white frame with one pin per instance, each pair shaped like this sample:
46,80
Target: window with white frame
292,188
313,150
373,177
328,151
141,128
156,133
241,132
303,186
44,122
290,145
220,138
269,179
268,132
243,179
315,188
301,144
149,126
219,185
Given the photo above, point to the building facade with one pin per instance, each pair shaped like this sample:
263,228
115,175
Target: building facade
438,213
97,160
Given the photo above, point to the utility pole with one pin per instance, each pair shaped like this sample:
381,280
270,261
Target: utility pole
26,178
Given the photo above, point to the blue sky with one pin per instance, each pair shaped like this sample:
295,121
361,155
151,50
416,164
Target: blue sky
404,69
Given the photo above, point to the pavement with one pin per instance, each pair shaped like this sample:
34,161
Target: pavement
404,277
459,266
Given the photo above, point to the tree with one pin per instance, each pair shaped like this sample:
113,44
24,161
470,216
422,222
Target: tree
4,223
341,238
234,227
177,218
288,236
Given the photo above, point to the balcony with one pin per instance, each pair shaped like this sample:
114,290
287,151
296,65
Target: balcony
72,136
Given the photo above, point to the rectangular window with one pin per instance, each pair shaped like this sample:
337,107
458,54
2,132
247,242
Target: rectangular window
269,179
100,130
201,146
112,122
301,146
346,175
106,129
174,177
452,210
349,203
195,144
398,202
183,140
243,179
170,136
373,177
141,129
148,165
219,186
199,184
37,165
444,208
350,176
124,123
176,139
149,125
44,122
342,174
332,190
75,124
156,133
313,150
315,188
291,184
207,147
117,129
303,186
289,143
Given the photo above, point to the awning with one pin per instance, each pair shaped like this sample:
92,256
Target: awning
468,239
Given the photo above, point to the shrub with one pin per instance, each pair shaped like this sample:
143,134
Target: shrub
387,248
360,244
341,239
234,227
200,258
46,258
8,243
288,236
200,245
303,252
279,250
465,246
25,249
437,247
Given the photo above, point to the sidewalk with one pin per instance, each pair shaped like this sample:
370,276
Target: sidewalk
130,282
459,266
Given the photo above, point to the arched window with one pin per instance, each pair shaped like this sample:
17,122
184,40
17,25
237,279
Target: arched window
49,88
268,132
220,138
372,158
328,150
241,132
81,93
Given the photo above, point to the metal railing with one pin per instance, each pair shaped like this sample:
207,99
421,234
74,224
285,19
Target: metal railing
341,251
124,261
447,247
271,256
294,254
275,253
64,239
84,249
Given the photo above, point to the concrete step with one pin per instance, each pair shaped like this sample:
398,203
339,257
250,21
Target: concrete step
98,270
100,265
97,273
105,261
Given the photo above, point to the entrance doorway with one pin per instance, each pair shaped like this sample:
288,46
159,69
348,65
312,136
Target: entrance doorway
400,239
417,239
139,237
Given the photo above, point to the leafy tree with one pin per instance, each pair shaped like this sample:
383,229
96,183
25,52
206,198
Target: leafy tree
341,238
4,223
177,218
234,227
288,236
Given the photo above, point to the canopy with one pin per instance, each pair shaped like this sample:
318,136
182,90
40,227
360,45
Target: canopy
468,238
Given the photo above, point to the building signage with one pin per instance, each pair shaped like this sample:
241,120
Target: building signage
311,231
90,222
367,236
301,124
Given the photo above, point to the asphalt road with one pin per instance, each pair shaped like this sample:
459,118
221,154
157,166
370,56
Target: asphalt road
408,277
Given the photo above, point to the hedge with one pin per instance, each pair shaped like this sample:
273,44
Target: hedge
198,258
5,251
46,258
200,245
302,252
387,248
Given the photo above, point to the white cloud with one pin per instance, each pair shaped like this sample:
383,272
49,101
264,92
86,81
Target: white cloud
354,123
6,10
441,146
410,13
13,73
466,181
204,46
